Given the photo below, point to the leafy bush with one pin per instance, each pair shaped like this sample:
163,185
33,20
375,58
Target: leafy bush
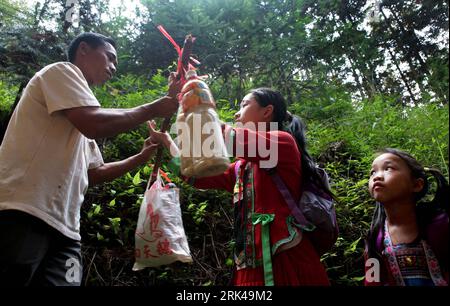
346,147
343,136
7,96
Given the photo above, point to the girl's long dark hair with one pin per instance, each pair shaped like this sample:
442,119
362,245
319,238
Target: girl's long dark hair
424,210
295,126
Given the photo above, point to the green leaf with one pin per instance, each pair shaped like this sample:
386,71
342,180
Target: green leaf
137,178
97,209
114,221
352,247
112,203
358,278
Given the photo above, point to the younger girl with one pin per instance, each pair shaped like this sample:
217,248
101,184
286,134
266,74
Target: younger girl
262,220
409,239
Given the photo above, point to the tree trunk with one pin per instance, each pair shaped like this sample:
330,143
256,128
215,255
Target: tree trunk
416,52
404,79
356,77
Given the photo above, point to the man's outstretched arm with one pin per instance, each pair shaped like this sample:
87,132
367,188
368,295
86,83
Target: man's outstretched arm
110,171
97,122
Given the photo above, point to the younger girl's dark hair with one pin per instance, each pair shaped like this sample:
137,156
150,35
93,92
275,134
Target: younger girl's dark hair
295,126
424,210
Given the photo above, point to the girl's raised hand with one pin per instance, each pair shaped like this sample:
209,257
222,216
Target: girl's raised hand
162,138
149,147
156,136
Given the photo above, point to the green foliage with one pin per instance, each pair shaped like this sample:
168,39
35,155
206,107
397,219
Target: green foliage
345,145
359,88
198,211
7,96
343,135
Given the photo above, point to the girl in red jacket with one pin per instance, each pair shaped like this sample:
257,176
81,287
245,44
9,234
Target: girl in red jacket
262,220
408,240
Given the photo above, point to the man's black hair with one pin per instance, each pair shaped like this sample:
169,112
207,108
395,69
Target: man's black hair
92,39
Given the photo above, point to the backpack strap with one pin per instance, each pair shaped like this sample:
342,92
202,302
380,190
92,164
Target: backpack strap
295,210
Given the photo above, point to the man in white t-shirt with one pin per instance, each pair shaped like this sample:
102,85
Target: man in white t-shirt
48,157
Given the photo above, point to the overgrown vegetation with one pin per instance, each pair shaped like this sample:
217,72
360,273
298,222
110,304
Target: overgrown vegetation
358,87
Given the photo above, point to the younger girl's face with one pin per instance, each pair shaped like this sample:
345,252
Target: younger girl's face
251,111
391,180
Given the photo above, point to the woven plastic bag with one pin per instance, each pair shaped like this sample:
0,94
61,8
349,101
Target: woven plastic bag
160,238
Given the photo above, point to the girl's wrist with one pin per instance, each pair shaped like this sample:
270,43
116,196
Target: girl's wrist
166,140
